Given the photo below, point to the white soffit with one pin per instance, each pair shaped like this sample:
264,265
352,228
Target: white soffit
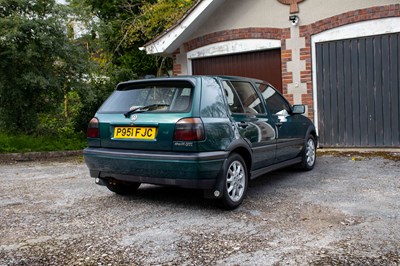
173,39
233,47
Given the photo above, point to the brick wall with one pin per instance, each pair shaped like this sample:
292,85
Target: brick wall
177,68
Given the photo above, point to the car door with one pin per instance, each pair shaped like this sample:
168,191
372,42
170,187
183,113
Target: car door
248,112
290,139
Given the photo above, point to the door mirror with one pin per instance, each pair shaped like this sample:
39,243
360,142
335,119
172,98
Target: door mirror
298,109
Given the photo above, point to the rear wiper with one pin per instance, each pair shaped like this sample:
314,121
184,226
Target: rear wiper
145,108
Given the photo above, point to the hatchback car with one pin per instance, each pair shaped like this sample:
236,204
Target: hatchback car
214,133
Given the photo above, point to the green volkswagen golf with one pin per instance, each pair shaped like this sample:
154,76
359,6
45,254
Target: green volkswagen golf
214,133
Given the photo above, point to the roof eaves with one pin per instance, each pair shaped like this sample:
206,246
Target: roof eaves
168,41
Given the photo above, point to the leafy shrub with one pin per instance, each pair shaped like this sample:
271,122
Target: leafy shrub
29,143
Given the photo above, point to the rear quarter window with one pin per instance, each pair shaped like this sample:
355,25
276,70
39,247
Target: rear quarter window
212,99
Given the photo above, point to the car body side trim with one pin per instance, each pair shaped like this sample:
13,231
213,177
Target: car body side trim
266,148
291,142
262,171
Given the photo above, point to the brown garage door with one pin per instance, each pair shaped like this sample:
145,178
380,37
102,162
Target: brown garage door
265,65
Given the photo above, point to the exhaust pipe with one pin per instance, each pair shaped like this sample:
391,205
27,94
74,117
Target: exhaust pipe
101,181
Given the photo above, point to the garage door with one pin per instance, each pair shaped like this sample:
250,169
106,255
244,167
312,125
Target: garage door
358,92
265,65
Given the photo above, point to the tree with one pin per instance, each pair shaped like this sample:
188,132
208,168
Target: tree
126,25
38,65
44,65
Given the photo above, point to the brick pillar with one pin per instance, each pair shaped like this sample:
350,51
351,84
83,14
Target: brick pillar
176,68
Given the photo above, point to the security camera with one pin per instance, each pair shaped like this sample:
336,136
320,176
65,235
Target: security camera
294,19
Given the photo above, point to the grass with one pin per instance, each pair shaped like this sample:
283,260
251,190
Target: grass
28,143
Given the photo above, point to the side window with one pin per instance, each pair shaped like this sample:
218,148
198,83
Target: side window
276,104
250,100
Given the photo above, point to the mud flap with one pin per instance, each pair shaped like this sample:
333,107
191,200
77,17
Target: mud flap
218,190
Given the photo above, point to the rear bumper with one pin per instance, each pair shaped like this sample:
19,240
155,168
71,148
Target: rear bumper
189,170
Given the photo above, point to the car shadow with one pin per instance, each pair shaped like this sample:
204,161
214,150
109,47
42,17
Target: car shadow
287,180
176,197
275,177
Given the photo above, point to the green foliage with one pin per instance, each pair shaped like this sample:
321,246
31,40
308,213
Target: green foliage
61,121
154,18
126,25
28,143
59,63
38,65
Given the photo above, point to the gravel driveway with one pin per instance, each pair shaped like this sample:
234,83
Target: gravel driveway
344,212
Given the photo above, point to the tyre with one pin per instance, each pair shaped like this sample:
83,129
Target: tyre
235,178
309,155
122,188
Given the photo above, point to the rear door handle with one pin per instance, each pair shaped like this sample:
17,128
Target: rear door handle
243,124
278,124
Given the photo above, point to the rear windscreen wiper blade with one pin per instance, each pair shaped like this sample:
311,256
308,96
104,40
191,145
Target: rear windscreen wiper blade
145,108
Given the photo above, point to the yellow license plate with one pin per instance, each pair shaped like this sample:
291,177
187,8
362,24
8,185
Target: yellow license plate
135,132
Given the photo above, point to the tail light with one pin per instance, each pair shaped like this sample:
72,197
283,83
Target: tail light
189,129
93,128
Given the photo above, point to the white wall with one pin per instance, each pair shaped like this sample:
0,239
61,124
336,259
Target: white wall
234,14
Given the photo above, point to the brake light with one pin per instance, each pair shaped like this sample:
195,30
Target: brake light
93,128
189,129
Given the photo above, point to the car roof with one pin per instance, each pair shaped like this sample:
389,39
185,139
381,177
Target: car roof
192,79
239,78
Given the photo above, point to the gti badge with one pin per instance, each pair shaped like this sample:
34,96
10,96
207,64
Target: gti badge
133,117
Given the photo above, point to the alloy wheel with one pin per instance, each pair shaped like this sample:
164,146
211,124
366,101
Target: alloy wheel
236,181
310,152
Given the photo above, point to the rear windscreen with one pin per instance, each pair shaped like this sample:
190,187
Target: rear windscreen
166,97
